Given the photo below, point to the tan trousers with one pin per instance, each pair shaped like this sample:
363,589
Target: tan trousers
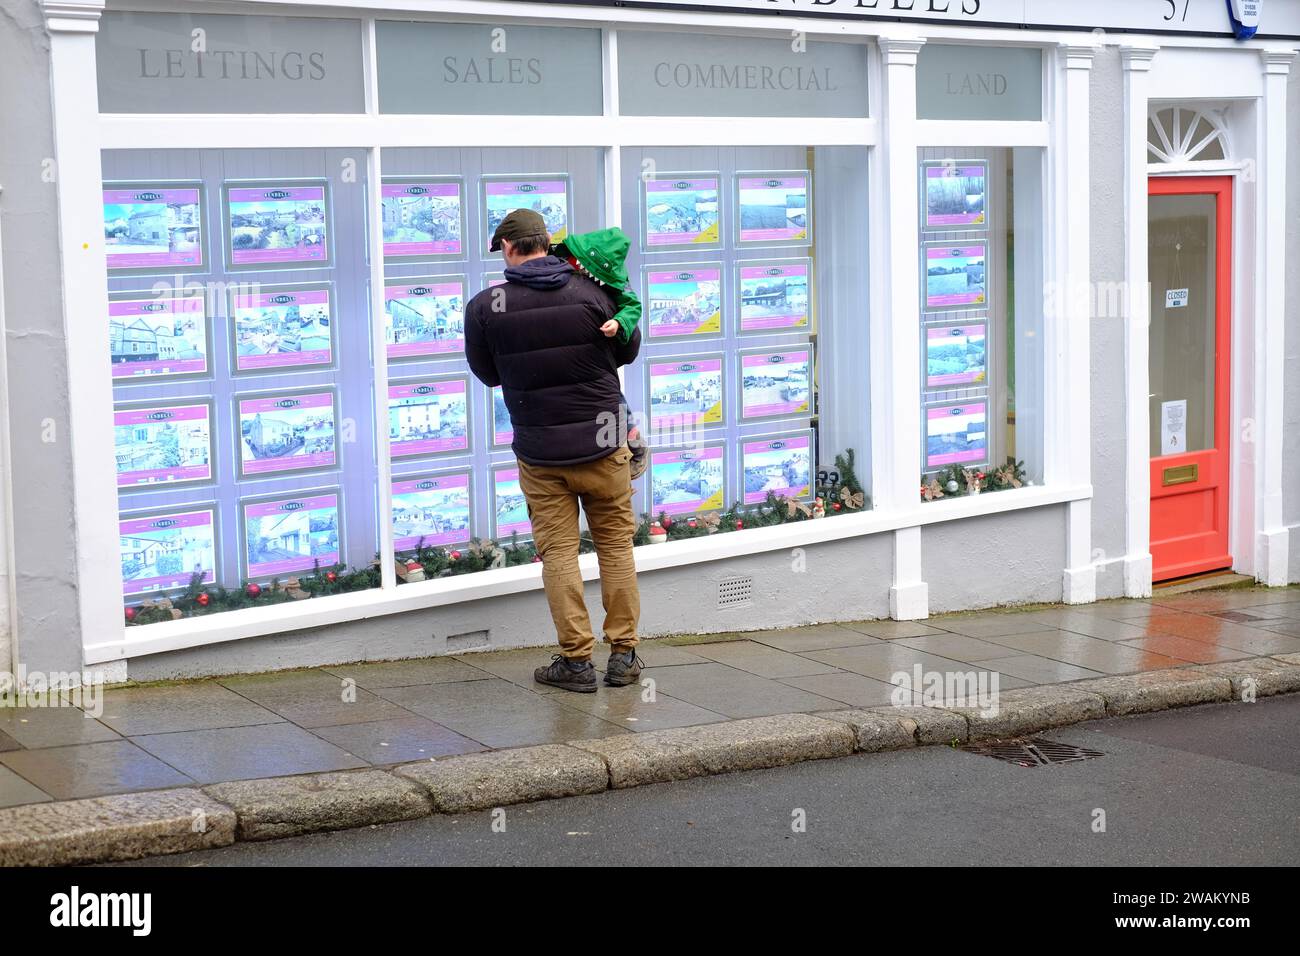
604,488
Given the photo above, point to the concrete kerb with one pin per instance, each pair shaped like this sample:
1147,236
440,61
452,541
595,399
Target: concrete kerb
130,826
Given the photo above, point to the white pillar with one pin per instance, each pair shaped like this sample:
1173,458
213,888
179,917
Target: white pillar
72,25
896,326
1271,536
1069,346
1136,59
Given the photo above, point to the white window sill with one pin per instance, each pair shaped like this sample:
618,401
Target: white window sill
360,605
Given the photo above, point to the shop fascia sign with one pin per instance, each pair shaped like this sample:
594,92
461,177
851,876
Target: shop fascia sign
1218,17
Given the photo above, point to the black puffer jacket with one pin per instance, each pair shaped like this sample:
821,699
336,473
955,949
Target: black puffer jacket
543,346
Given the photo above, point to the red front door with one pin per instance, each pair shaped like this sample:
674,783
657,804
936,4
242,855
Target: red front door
1189,258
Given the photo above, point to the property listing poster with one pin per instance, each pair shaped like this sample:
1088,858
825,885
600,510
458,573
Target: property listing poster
287,433
510,510
956,355
291,534
424,317
773,296
776,384
955,195
156,336
685,392
153,227
431,511
685,481
773,207
956,434
493,279
423,219
428,418
503,430
683,301
681,211
955,276
277,225
162,444
282,328
547,195
164,552
781,466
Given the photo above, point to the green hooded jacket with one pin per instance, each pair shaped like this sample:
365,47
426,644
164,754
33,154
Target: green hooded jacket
602,255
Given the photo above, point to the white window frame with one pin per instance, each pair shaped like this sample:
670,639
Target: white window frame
892,135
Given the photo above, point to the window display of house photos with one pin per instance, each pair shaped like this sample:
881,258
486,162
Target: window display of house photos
680,211
773,295
428,416
773,208
687,480
424,318
776,383
287,432
154,227
287,535
685,392
163,551
431,510
955,194
509,509
493,279
152,337
162,443
547,195
282,327
956,356
277,225
955,276
683,301
503,430
956,433
780,465
423,218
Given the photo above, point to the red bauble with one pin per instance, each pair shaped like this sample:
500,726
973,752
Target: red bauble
739,524
835,506
130,614
454,556
667,522
331,576
692,523
253,590
203,599
537,558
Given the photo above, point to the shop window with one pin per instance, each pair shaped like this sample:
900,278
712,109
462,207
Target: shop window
751,264
981,308
242,381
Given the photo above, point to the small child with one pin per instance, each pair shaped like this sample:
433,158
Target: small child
602,257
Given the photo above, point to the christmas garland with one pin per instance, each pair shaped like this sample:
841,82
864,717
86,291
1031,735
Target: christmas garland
836,492
955,480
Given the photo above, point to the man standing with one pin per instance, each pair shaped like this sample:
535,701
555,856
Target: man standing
538,337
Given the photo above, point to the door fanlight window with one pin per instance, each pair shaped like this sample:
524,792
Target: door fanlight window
1181,134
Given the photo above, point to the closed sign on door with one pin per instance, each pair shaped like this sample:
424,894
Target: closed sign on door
1175,298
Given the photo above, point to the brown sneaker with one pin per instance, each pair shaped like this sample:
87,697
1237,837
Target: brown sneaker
578,676
624,668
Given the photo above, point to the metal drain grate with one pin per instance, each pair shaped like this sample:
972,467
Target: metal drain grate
1034,752
736,592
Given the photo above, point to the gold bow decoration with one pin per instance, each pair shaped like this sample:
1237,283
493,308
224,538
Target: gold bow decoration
1006,475
711,520
793,508
852,499
293,588
931,490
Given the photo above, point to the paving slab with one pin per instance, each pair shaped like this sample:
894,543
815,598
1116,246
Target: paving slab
515,667
428,670
652,654
1185,649
85,770
852,689
1038,670
735,693
800,639
1093,653
121,827
8,743
247,753
503,777
290,806
751,744
498,713
887,630
203,705
397,741
1092,625
957,647
312,698
884,661
14,790
1157,690
53,726
993,624
761,660
627,707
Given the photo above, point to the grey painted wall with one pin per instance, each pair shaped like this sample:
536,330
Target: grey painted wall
1291,444
841,581
1013,558
1106,184
49,632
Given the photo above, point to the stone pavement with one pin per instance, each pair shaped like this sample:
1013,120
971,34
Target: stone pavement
299,722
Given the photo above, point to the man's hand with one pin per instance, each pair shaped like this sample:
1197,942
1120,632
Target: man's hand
609,328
